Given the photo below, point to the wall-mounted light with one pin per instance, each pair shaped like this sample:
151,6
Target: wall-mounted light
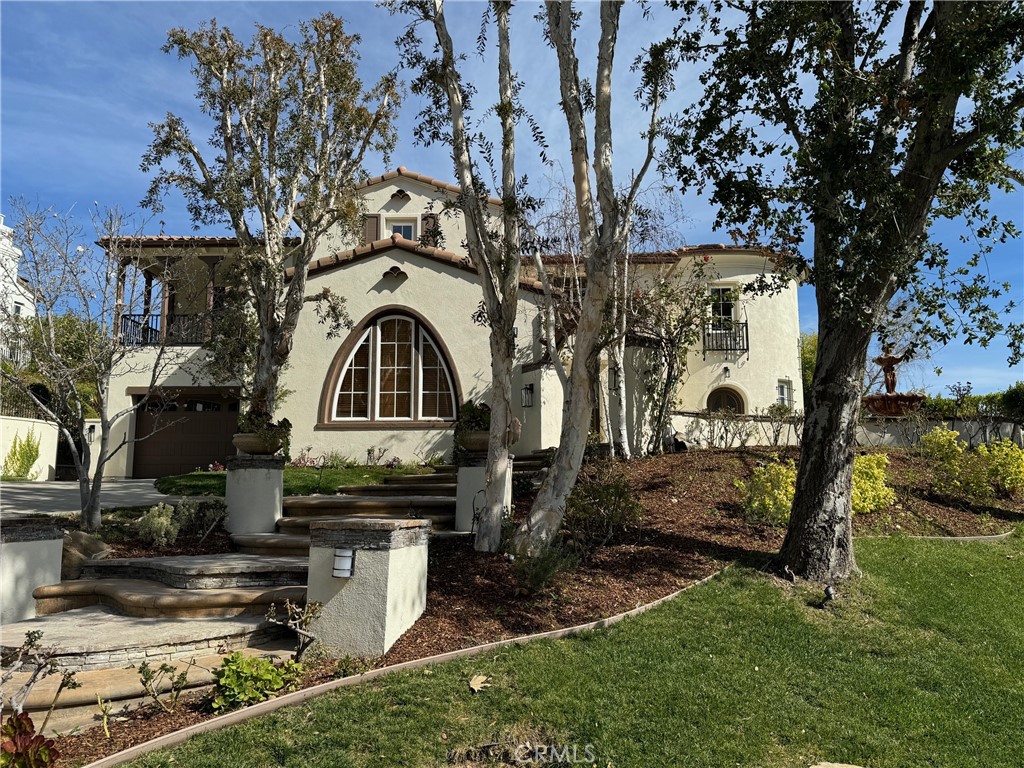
344,563
527,395
90,434
726,372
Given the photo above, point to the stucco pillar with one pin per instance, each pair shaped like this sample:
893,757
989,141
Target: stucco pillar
253,493
30,554
471,491
365,613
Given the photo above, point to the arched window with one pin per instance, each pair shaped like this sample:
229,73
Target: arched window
725,399
394,372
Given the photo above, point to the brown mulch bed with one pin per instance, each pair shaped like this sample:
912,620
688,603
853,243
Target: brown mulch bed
692,525
214,544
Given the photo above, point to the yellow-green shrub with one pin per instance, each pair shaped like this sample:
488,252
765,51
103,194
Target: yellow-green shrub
768,497
941,445
1004,463
870,491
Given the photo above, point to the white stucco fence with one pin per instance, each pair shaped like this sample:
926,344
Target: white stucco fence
45,432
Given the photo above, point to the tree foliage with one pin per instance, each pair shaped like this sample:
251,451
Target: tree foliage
854,127
291,125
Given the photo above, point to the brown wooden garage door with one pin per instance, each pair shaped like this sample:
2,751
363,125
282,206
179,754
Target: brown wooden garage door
184,433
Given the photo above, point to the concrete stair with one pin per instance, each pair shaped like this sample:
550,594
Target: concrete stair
205,571
431,488
271,544
150,599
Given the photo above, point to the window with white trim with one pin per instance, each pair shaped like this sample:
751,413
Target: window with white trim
395,372
784,392
722,304
403,228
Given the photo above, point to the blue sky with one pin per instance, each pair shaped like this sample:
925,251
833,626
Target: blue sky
81,81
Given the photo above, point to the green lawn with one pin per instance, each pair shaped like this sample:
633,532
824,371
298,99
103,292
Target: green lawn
919,663
297,480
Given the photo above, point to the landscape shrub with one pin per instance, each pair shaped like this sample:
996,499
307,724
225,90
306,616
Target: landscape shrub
870,491
197,516
159,526
768,497
1005,466
537,573
600,505
22,456
21,746
973,476
243,680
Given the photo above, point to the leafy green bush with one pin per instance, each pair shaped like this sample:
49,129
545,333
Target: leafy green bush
941,445
768,497
1005,464
600,505
537,573
197,516
159,526
22,456
1013,402
243,680
870,491
974,476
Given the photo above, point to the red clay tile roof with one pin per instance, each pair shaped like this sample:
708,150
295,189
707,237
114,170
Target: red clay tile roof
184,241
403,172
672,256
341,258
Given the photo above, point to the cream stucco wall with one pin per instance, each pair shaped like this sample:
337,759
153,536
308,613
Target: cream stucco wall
442,295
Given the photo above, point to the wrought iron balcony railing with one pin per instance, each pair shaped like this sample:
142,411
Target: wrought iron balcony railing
726,336
144,330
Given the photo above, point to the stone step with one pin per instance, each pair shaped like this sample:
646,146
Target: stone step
295,525
437,477
97,637
404,489
205,571
271,544
151,599
407,506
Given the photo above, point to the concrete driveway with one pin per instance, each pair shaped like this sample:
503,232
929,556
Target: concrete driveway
62,498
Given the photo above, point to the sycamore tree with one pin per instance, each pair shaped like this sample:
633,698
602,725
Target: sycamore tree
493,242
74,344
854,128
604,215
291,126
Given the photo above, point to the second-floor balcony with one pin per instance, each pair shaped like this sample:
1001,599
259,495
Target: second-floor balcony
726,336
142,330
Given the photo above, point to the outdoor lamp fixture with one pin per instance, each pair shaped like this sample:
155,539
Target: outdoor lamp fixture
725,372
91,433
527,395
344,563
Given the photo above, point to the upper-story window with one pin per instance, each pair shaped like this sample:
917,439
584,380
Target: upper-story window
18,308
395,372
784,392
403,228
722,307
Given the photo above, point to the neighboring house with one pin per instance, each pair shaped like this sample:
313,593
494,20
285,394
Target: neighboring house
17,295
415,354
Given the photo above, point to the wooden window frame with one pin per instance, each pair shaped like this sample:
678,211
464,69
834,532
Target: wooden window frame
422,330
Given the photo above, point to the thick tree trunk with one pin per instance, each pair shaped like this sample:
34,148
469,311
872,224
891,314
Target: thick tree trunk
819,542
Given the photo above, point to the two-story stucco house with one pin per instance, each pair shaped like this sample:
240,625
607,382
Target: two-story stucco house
17,295
396,381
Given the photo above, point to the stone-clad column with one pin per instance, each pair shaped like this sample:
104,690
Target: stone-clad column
365,613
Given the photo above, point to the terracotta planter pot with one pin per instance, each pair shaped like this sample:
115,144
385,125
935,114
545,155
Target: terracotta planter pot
255,445
475,440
